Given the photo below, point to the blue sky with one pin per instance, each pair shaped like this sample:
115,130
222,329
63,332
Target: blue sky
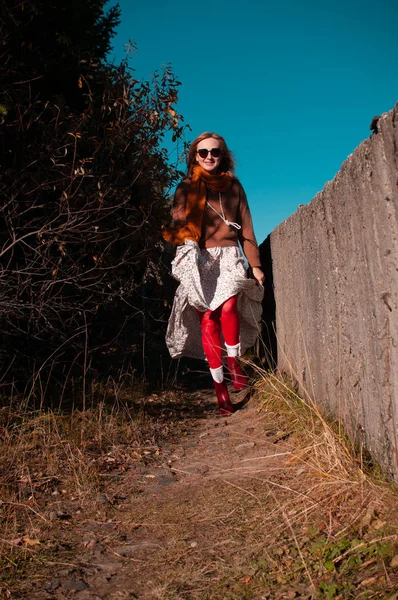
292,86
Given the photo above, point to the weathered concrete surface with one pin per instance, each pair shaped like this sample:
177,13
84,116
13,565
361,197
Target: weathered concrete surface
335,270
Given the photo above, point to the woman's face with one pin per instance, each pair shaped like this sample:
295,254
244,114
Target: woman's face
210,162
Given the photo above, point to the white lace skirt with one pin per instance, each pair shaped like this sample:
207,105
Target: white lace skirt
207,278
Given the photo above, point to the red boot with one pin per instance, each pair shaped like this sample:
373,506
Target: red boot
224,404
239,379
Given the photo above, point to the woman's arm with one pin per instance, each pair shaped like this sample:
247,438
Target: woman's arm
247,238
179,203
258,275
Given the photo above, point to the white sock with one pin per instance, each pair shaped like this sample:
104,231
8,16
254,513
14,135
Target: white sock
233,350
218,374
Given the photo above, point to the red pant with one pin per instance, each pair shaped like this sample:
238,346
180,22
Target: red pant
226,319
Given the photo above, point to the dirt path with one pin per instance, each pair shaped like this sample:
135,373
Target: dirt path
214,515
186,527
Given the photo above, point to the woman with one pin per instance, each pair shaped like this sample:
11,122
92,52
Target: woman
215,303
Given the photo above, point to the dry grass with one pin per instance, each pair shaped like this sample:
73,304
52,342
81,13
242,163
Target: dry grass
306,518
320,441
48,455
349,510
319,449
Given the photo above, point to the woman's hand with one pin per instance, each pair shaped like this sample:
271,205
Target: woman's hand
258,275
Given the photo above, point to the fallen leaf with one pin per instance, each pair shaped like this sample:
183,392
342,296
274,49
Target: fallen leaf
29,542
368,517
378,524
394,562
25,540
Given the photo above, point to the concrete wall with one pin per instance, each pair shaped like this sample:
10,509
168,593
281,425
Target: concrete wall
335,271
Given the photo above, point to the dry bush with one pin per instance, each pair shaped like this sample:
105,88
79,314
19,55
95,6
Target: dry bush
84,186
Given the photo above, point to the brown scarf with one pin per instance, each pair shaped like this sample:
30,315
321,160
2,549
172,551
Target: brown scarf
196,202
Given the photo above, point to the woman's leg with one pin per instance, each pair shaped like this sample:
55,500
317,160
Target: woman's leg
211,341
230,321
230,324
211,337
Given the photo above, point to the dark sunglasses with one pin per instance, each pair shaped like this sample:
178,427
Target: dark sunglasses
215,152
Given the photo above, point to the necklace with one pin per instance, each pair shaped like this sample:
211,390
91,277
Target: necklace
222,214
